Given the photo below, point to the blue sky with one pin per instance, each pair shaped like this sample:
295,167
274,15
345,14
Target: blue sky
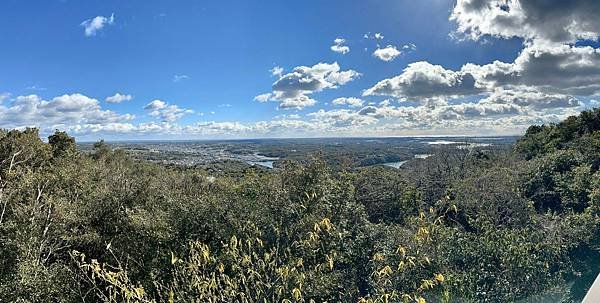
207,61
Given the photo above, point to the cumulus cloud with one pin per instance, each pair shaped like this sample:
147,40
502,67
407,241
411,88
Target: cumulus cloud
4,96
474,118
264,97
215,129
561,69
276,71
166,112
482,117
376,36
554,21
409,47
476,110
540,72
220,126
118,98
155,105
549,63
593,103
32,110
388,53
298,102
339,47
543,84
94,25
531,99
551,70
351,101
337,119
423,81
292,89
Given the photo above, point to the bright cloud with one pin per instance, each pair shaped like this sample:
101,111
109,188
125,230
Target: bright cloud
166,112
32,110
94,25
352,102
555,74
339,47
422,81
292,89
388,53
4,96
178,78
118,98
552,21
276,71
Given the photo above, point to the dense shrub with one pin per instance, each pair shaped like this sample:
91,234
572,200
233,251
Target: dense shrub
461,226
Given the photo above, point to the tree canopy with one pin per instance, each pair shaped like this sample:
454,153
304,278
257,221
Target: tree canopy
486,226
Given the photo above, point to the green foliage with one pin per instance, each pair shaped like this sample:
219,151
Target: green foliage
540,140
461,226
62,144
386,195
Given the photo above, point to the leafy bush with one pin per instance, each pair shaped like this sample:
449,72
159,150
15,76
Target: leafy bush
460,226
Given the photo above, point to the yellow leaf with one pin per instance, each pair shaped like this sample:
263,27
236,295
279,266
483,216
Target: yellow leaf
439,278
330,261
296,293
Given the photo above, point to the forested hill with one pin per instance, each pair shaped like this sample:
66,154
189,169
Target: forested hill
460,226
576,132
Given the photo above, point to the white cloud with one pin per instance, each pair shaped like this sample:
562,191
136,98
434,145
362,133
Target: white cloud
376,36
36,88
531,98
339,41
545,83
351,101
387,53
592,104
166,112
546,75
482,117
390,52
118,98
551,21
32,110
4,96
155,105
544,69
409,47
298,102
339,47
264,97
560,69
178,78
92,26
291,89
276,71
423,81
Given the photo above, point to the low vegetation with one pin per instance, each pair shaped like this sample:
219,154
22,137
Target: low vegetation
460,226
